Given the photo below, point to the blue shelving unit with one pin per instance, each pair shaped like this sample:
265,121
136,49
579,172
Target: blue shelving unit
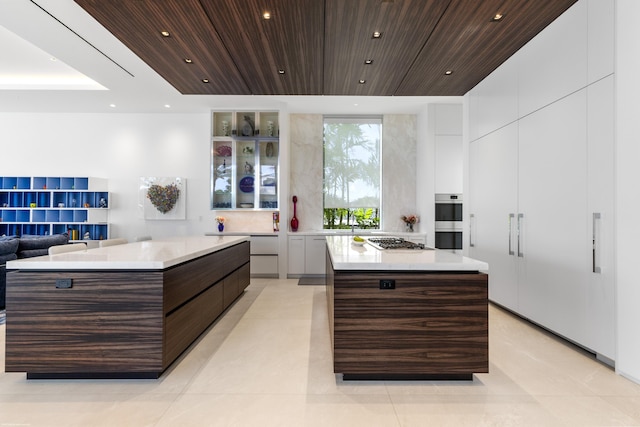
51,205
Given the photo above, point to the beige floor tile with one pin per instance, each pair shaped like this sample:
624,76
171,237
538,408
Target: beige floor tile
585,411
267,410
268,362
472,410
630,406
52,410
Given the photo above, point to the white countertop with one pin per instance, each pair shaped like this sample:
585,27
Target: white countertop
147,255
347,256
357,232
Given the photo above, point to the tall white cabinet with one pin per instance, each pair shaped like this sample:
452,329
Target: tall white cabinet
541,180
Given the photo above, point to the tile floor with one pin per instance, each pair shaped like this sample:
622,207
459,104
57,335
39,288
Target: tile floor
267,362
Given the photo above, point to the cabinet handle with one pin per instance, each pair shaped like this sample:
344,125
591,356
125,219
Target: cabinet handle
471,220
595,219
511,216
519,232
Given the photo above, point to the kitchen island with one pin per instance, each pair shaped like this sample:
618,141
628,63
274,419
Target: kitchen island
125,311
406,313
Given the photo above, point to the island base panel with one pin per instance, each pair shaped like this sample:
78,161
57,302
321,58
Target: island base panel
116,324
431,324
104,323
400,377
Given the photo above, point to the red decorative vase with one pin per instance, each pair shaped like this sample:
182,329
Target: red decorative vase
294,220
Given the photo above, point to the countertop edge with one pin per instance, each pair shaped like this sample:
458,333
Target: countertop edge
100,259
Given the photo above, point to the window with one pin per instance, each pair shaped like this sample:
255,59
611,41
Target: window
352,171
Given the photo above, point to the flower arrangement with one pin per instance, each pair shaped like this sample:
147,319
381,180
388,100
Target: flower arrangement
410,219
220,219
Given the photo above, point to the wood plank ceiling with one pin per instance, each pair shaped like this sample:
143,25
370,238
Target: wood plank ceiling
319,47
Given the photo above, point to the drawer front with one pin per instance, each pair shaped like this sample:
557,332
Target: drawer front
263,245
264,265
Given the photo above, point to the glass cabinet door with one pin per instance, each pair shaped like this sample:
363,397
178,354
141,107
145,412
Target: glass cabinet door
268,160
222,175
245,174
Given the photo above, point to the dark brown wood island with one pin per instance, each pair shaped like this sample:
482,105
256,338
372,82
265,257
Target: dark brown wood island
400,314
125,311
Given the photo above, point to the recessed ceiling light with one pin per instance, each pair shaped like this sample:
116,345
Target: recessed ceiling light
167,106
205,80
53,59
165,33
368,61
377,34
362,81
497,17
188,61
266,15
112,105
281,71
448,72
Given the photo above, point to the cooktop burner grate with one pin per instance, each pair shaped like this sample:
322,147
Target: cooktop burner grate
394,243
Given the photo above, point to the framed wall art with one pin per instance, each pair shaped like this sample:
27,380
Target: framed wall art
163,197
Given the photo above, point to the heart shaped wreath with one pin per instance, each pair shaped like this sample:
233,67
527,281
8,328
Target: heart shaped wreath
163,198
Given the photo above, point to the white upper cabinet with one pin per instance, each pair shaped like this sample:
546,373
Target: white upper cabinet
493,103
448,119
601,39
556,61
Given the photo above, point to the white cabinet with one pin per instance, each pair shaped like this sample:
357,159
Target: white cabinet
264,256
601,38
535,186
315,249
307,255
552,196
556,61
493,203
296,261
494,101
599,240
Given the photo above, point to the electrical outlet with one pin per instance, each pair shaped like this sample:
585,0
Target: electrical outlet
64,283
387,284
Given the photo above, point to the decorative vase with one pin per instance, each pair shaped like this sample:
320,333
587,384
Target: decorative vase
408,227
221,227
294,220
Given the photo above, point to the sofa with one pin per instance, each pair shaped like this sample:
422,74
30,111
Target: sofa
26,246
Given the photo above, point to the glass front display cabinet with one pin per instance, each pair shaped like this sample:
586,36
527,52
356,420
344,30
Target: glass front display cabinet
244,161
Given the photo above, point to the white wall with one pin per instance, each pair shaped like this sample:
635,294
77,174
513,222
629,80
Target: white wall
121,148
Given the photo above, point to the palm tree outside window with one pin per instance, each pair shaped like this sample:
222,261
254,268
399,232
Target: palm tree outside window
352,147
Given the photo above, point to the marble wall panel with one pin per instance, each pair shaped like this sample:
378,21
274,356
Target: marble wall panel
306,170
398,169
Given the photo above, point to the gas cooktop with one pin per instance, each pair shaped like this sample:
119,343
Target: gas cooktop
393,243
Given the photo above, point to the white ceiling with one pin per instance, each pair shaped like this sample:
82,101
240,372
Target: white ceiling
33,31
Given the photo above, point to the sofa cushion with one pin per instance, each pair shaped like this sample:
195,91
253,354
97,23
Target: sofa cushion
8,245
30,253
29,242
7,257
